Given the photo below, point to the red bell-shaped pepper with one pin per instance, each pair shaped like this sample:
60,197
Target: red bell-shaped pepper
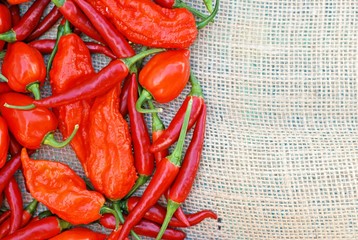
5,22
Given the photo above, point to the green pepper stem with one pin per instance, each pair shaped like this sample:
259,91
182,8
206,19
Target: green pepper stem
157,123
45,214
27,107
175,157
50,139
67,28
171,208
9,36
140,181
145,96
180,4
63,224
117,209
209,5
195,87
3,78
58,3
31,208
105,209
205,22
132,60
35,89
60,32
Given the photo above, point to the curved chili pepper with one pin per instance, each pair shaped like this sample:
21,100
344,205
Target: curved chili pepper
45,46
144,228
164,77
102,82
25,218
116,42
5,215
15,14
41,229
143,158
4,87
110,164
14,198
34,127
164,175
123,97
24,68
63,192
14,147
48,22
5,22
27,23
4,142
79,233
171,134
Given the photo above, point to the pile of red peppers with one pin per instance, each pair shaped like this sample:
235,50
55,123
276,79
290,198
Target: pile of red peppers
101,115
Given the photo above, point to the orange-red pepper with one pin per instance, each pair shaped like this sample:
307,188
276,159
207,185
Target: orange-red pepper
5,22
79,233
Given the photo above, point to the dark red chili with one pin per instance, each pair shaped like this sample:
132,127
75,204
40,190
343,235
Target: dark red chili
123,97
15,14
14,198
143,158
41,229
14,147
171,134
163,177
4,216
27,23
114,39
48,22
4,141
45,46
4,87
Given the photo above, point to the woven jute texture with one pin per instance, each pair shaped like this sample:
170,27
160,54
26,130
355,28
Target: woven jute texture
280,155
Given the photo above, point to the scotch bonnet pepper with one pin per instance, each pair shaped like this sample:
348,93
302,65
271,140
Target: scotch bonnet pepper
5,22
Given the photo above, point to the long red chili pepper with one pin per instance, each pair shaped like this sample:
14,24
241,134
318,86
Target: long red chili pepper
14,147
163,177
51,18
123,97
4,142
41,229
4,216
15,14
144,228
171,134
115,40
5,22
186,176
143,158
27,23
100,83
45,46
14,198
25,218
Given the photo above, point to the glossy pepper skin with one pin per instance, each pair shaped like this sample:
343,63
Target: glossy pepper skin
4,87
61,190
110,164
4,141
146,23
14,198
71,65
5,22
15,14
24,68
79,233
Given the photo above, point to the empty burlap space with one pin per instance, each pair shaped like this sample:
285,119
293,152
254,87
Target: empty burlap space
280,154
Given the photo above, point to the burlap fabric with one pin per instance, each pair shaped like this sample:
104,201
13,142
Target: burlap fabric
280,155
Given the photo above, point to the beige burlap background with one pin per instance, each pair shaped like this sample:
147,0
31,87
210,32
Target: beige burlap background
280,155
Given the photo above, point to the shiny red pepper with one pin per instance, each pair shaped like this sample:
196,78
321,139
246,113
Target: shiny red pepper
123,98
4,87
15,14
5,22
16,2
24,68
14,198
4,141
4,215
31,128
79,233
164,77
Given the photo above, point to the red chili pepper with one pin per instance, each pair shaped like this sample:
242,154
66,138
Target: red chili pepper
48,22
163,177
14,147
31,128
171,134
144,228
14,198
99,84
164,77
41,229
143,159
27,24
13,2
4,87
114,39
25,218
5,22
4,142
76,17
4,216
79,233
123,97
15,14
45,46
24,68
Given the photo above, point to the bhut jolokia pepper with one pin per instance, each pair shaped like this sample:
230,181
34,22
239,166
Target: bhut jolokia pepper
27,24
185,179
5,22
14,199
4,142
163,177
79,233
62,191
25,217
171,134
110,164
41,229
34,127
164,77
111,75
143,158
24,68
